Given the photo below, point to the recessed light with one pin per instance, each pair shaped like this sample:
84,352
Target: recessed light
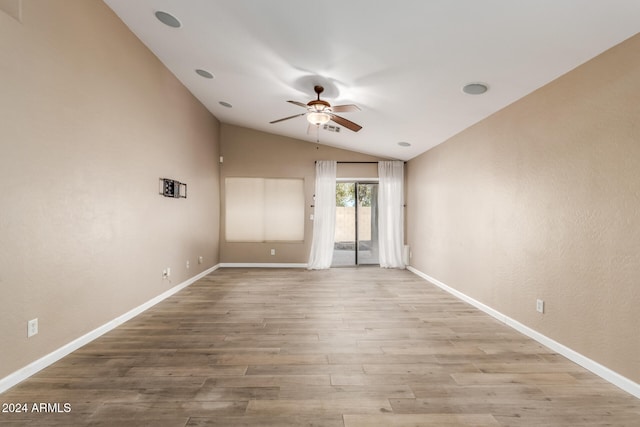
204,73
475,88
168,19
225,104
404,144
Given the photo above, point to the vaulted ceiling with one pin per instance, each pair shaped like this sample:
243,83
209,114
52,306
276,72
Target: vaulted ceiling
403,62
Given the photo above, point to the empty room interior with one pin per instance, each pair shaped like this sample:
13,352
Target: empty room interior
331,213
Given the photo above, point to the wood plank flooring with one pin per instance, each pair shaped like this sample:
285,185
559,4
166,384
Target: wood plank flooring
349,347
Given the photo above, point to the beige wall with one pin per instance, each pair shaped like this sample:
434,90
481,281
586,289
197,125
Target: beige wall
250,153
89,121
542,200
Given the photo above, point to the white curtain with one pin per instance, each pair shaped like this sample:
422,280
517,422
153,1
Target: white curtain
391,213
324,217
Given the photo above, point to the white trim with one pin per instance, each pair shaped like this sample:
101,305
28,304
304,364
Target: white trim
261,265
34,367
602,371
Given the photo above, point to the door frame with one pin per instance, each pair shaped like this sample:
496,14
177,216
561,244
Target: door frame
356,182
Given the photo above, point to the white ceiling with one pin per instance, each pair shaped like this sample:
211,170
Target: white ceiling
402,62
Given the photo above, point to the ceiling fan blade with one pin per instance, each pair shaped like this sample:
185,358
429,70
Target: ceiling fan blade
346,123
298,103
287,118
345,108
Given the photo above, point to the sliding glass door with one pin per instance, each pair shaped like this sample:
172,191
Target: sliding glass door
356,239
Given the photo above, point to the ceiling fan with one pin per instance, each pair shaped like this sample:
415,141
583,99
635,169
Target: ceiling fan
320,112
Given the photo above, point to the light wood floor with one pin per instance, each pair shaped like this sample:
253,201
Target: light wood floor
345,347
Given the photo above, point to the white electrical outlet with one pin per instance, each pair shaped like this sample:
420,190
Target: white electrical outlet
540,306
168,271
273,251
165,274
32,328
200,259
187,264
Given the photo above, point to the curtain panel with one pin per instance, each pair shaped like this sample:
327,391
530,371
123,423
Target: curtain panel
391,213
324,218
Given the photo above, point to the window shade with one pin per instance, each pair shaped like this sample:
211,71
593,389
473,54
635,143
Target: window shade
264,209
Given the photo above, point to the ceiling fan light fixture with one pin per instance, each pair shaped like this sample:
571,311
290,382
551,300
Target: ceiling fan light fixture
318,108
318,118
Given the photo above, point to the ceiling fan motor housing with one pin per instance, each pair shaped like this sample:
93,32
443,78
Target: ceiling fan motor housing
319,111
319,105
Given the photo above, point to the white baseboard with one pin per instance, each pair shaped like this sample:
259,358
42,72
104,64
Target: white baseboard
34,367
261,265
602,371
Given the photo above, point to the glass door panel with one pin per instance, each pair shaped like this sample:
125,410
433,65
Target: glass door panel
344,253
356,235
367,232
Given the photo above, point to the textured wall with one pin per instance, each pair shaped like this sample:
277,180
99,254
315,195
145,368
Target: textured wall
542,200
89,121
